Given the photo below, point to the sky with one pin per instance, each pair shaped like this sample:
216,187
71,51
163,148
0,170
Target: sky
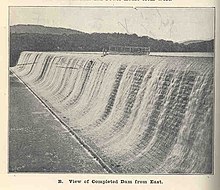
176,24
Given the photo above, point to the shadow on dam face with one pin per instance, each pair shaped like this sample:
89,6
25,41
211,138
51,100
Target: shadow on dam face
140,114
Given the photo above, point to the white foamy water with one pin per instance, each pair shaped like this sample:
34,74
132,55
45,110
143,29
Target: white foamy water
141,114
184,54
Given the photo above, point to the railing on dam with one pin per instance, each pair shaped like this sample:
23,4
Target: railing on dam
129,50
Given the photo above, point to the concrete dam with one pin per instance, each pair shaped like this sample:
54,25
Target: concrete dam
136,114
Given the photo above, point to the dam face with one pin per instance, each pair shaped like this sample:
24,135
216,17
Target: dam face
140,114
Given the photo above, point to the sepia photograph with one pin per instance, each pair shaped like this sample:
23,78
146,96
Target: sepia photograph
111,90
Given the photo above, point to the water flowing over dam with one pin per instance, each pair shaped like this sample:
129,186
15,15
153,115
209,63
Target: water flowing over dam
140,114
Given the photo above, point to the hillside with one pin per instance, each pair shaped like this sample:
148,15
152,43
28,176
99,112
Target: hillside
40,38
191,42
39,29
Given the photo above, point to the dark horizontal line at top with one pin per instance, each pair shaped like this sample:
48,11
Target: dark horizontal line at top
112,6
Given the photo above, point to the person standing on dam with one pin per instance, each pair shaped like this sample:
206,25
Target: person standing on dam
104,52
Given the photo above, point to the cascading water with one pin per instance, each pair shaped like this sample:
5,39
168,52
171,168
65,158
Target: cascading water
140,114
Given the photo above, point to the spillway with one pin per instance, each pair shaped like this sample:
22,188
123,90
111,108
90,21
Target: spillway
140,114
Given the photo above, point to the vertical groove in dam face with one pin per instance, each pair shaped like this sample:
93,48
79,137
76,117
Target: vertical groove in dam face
112,96
140,114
